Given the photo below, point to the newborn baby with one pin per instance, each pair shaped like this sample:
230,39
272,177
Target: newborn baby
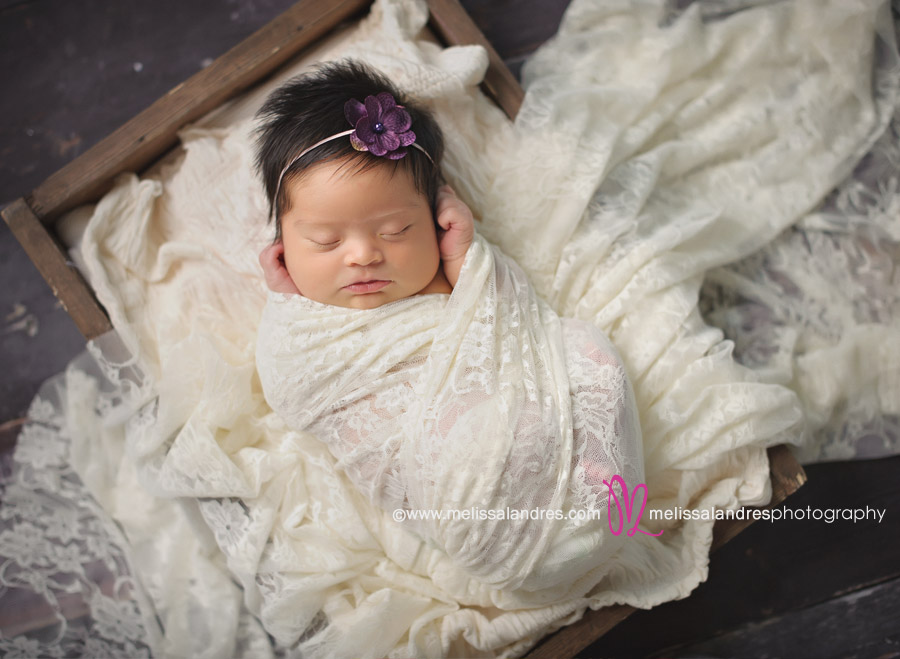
420,354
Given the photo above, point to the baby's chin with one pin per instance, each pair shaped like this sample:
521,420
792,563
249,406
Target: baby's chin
368,301
358,301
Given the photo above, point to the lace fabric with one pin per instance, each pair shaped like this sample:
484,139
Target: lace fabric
808,308
71,585
795,297
66,571
406,394
667,161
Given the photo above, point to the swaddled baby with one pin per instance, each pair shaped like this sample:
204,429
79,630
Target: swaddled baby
420,354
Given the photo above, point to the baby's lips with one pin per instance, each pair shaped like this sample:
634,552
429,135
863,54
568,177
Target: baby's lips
368,286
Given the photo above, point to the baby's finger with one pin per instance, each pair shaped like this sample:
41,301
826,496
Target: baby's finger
446,197
270,257
448,212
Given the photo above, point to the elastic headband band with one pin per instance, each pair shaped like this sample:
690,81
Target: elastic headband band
381,127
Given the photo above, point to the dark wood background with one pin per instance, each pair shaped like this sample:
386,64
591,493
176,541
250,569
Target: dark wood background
74,70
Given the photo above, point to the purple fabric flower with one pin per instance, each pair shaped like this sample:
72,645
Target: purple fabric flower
382,126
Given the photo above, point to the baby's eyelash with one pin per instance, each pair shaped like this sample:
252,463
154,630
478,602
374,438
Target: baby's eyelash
333,243
318,244
402,231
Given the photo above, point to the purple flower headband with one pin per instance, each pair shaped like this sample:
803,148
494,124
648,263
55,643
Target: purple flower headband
381,127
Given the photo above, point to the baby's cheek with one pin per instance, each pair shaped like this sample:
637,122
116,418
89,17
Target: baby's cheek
425,255
294,268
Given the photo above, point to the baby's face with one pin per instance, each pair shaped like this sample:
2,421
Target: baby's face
358,239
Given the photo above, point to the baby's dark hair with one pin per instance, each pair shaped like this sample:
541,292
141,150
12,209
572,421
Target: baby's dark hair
310,108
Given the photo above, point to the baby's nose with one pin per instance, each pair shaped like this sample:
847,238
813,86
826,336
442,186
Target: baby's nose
363,252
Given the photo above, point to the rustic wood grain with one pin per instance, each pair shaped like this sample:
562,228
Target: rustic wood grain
787,477
868,621
64,279
451,23
516,27
153,132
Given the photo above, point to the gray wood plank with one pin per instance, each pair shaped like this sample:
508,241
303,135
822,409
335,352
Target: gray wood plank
867,623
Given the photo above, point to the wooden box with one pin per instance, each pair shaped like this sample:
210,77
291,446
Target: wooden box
153,132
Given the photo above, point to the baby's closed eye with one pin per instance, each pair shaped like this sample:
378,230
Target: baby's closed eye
397,234
324,243
327,242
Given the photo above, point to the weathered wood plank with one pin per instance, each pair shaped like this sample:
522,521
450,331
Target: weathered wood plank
153,132
51,261
451,23
516,27
864,623
787,477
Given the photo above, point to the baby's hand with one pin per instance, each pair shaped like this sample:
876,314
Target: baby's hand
277,278
455,218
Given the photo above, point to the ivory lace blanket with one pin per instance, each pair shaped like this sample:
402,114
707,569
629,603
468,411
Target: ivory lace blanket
480,400
669,169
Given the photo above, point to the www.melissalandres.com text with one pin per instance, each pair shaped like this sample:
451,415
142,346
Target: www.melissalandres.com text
828,515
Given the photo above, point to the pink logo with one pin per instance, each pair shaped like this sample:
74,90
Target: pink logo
629,507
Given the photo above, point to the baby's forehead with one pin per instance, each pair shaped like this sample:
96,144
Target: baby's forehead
352,172
332,193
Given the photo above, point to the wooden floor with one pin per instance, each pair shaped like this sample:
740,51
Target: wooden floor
74,71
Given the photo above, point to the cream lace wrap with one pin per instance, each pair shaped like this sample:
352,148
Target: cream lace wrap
663,181
463,402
